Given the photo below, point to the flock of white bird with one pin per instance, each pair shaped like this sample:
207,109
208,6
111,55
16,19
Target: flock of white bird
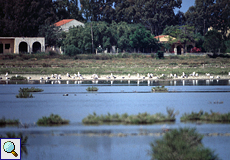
78,76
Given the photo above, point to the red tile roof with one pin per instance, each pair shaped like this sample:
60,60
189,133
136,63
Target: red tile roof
160,36
62,22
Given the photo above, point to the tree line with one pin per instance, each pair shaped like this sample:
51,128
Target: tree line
31,18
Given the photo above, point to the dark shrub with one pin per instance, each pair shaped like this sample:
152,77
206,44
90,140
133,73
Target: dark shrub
160,54
71,50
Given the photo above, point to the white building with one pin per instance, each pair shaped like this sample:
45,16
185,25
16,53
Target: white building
65,24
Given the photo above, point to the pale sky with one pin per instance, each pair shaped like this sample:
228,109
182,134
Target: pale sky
185,5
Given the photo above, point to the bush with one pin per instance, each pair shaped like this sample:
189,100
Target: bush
32,89
71,50
24,94
160,54
18,78
52,120
92,89
159,89
184,143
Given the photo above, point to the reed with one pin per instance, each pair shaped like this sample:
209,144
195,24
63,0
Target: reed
207,117
4,121
52,120
140,118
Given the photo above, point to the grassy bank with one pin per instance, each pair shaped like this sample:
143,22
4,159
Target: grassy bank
206,117
105,64
141,118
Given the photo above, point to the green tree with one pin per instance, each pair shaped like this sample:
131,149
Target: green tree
183,34
212,41
183,143
67,9
51,33
23,17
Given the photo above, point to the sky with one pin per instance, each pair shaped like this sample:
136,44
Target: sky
185,5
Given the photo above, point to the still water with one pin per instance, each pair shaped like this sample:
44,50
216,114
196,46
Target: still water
77,141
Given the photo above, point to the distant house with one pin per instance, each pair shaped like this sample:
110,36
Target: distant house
65,24
176,46
22,44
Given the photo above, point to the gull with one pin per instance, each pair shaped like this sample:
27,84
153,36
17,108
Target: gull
6,74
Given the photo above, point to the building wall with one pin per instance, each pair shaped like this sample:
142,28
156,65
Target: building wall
6,45
29,41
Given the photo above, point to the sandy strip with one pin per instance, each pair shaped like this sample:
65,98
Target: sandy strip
109,77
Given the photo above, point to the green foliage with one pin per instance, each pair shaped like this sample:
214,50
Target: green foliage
212,41
71,50
18,78
92,88
23,93
159,89
201,116
141,118
53,119
160,54
4,121
32,89
183,143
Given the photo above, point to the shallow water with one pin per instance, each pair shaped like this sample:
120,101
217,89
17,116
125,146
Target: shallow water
77,141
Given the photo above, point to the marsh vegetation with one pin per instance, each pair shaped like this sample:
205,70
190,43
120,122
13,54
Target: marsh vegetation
92,88
207,117
4,121
53,119
159,89
25,92
140,118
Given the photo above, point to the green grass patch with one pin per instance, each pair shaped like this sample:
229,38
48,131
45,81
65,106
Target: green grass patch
4,121
140,118
53,119
92,88
207,117
159,89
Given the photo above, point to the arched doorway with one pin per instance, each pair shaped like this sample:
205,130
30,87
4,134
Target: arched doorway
23,47
36,47
189,48
178,50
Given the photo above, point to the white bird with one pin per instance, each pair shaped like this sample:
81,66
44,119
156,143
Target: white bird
68,75
78,74
41,78
129,75
28,78
6,74
16,75
52,76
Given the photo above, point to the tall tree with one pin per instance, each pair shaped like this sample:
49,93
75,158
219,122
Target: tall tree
67,9
23,17
201,15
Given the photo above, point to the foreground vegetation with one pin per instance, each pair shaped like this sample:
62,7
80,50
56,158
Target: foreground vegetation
141,118
4,121
53,119
117,64
183,143
201,116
